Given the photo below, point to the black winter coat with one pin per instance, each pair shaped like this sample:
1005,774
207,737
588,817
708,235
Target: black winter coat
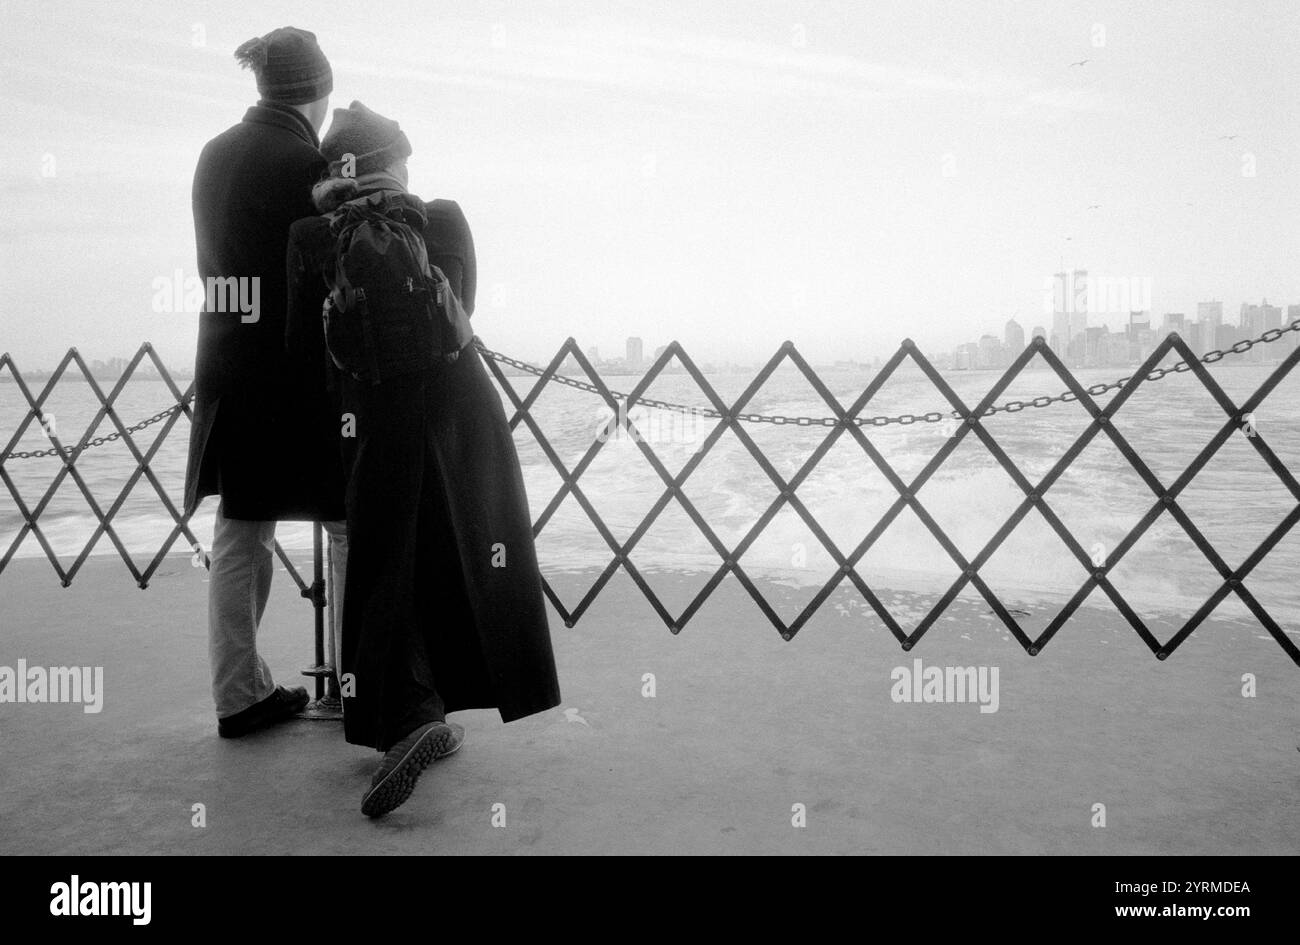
264,436
486,625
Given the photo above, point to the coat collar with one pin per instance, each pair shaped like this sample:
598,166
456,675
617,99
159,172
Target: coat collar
283,116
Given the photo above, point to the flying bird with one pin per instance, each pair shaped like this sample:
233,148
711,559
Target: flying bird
571,715
1094,206
1081,62
1229,137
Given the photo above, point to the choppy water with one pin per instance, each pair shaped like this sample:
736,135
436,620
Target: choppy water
1236,500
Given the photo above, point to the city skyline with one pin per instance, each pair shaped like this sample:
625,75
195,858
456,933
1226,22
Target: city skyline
1080,344
1252,319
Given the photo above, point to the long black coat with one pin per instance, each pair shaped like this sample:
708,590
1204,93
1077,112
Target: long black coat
435,491
264,437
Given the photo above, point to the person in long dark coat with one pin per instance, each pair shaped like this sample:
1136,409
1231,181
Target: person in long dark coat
263,438
443,607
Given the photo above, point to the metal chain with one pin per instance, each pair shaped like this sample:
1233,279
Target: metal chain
906,419
100,440
934,416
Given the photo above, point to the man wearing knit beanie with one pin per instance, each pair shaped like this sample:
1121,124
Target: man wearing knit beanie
264,434
290,69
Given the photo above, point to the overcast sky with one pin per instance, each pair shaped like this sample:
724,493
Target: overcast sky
730,175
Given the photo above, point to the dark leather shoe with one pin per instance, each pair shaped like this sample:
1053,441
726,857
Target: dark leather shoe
403,764
279,706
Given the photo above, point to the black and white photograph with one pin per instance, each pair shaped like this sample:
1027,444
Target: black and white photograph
578,428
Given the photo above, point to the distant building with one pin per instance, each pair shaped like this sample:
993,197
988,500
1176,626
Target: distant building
1039,332
1173,321
1013,339
659,351
1069,315
1249,314
966,357
1060,337
990,352
114,368
1202,335
1096,351
634,352
593,354
1106,348
1259,318
1141,339
1254,321
1210,315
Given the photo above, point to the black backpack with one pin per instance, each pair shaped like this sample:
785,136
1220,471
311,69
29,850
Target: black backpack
388,312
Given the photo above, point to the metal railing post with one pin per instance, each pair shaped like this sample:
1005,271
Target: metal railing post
322,708
333,697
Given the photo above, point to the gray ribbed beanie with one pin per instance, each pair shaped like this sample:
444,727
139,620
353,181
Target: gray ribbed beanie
374,141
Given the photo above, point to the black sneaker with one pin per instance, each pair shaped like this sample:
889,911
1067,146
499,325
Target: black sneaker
279,706
403,764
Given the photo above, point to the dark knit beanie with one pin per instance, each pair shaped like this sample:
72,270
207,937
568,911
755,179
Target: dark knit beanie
374,141
289,66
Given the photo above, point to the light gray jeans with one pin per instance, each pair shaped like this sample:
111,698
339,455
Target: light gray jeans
239,584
